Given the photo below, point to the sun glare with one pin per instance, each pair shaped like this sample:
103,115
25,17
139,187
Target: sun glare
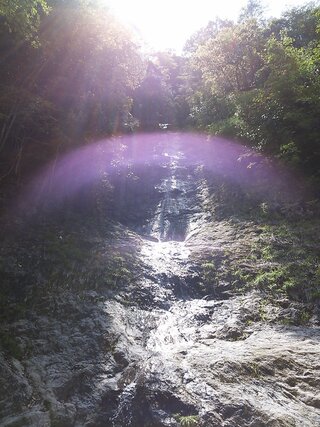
169,23
165,24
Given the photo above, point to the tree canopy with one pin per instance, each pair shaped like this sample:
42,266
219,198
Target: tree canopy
259,80
70,72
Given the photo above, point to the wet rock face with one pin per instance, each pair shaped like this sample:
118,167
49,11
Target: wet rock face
161,351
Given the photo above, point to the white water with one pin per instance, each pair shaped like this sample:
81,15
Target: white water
209,354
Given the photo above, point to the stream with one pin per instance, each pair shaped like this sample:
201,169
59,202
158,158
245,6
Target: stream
172,355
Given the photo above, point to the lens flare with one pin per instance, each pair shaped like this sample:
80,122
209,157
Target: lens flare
226,159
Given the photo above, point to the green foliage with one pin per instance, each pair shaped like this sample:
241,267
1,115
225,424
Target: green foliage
69,261
264,78
153,102
301,24
85,78
228,127
276,251
253,10
274,279
161,96
209,275
100,67
117,272
230,60
66,250
206,33
212,111
283,260
69,73
289,251
187,420
290,153
22,17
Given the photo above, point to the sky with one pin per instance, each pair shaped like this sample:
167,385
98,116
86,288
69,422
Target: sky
167,24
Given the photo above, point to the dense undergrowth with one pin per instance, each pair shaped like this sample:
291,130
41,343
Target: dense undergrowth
43,263
274,244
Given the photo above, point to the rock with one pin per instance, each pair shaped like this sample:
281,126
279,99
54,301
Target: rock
29,418
149,238
155,349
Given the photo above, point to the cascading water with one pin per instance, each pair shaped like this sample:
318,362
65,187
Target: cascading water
157,349
201,359
167,262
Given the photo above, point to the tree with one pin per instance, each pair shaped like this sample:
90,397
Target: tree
91,67
153,100
300,24
175,72
202,36
22,17
253,10
231,60
260,81
75,82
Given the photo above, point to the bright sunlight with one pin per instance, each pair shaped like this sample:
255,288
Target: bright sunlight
168,24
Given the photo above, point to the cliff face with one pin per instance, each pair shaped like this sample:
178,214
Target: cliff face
172,309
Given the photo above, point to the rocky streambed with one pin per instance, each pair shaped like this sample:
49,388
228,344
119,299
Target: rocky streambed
178,343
